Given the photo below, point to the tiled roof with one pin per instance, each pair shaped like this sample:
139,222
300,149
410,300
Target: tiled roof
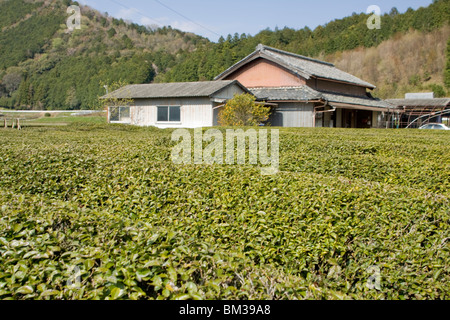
305,93
355,100
301,65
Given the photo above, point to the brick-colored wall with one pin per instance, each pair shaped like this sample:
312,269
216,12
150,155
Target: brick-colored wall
263,73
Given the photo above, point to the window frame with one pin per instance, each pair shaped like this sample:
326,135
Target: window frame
120,108
168,115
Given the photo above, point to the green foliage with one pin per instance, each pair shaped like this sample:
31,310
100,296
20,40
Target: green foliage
439,91
338,35
127,42
11,82
72,101
62,70
111,101
243,110
112,32
108,200
57,63
414,80
12,12
28,38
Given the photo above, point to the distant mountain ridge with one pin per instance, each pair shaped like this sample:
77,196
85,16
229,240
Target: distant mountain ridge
44,66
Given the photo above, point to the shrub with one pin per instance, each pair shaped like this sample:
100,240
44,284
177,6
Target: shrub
243,110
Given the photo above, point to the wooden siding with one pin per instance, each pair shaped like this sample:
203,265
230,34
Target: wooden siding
228,92
338,118
323,85
263,73
195,112
376,119
293,115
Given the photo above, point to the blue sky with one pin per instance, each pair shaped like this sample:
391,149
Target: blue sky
211,18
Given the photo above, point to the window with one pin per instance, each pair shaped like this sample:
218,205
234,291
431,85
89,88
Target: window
169,114
119,114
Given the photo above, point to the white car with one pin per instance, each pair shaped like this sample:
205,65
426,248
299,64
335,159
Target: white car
435,126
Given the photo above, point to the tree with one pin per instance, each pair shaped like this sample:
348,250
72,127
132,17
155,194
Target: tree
439,91
112,99
2,90
112,32
72,101
447,68
11,82
394,12
127,41
243,110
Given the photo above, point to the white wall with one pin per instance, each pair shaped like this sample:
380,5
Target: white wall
195,112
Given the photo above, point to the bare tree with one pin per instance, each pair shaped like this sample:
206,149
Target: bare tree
11,82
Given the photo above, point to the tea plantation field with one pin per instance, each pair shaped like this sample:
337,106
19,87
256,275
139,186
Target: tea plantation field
101,212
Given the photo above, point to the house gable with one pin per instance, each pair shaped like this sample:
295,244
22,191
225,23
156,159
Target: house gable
319,75
262,73
229,92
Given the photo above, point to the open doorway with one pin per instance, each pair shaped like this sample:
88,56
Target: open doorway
361,119
364,119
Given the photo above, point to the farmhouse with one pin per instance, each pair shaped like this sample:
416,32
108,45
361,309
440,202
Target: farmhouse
173,105
308,92
301,91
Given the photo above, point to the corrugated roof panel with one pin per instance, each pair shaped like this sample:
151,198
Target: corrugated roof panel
437,103
171,90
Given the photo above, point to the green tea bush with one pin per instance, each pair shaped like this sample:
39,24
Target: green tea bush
101,212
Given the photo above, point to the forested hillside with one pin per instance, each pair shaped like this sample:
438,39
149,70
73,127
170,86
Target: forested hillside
407,53
409,62
45,66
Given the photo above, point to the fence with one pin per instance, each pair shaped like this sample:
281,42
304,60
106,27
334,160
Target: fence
14,123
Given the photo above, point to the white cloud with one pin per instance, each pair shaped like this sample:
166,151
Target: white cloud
127,14
163,19
146,21
149,21
185,26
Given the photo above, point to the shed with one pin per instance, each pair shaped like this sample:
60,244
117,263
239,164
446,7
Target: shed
416,112
173,105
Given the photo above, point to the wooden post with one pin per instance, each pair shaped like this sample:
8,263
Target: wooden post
13,123
18,125
6,123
